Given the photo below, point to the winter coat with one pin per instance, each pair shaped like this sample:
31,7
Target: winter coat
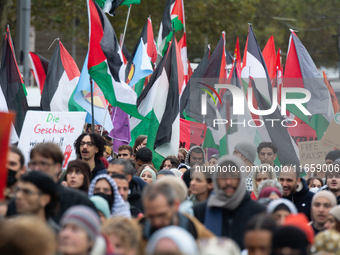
98,169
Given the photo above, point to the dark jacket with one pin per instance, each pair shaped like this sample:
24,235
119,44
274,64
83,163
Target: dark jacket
302,198
135,197
140,182
67,197
233,222
325,187
98,169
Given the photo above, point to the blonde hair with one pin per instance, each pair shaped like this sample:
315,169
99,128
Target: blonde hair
128,231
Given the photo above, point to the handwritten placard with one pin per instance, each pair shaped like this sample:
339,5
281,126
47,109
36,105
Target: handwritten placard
313,152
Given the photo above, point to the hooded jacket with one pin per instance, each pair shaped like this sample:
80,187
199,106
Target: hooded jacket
118,207
302,198
187,161
98,169
227,216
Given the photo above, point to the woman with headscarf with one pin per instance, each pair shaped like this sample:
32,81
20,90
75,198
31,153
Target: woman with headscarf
333,219
147,173
322,203
280,208
262,173
103,185
172,240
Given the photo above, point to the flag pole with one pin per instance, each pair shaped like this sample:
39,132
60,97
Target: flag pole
126,22
92,109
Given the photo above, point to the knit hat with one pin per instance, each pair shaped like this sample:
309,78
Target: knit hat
326,194
300,221
335,212
266,192
42,181
101,205
84,217
333,155
327,241
178,185
81,166
248,150
291,237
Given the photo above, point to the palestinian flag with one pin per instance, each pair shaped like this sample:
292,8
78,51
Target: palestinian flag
39,65
237,54
173,19
105,62
160,102
61,80
110,6
182,44
269,56
301,72
278,134
12,84
335,102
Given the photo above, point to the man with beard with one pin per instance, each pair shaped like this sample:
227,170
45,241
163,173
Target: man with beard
296,189
229,208
161,210
195,156
333,180
89,148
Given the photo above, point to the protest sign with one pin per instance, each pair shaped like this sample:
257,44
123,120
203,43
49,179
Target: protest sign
61,128
313,152
331,135
5,129
191,133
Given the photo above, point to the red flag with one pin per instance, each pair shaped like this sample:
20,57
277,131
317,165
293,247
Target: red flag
5,128
269,56
237,54
39,65
191,133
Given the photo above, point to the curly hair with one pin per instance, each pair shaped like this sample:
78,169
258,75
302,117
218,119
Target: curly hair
173,159
96,139
267,145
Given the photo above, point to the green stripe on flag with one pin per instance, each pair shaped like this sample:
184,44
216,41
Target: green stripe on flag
128,2
177,24
154,125
73,106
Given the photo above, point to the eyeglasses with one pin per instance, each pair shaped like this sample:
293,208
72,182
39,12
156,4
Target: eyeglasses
90,144
43,164
26,192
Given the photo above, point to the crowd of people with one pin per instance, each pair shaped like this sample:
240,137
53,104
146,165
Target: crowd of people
119,203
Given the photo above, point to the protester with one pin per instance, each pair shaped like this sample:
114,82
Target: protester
218,246
164,172
102,207
80,233
15,166
89,148
136,184
78,175
314,182
333,180
279,209
108,153
200,186
103,185
290,240
322,203
170,162
262,173
140,142
267,152
296,190
172,240
183,167
300,221
143,156
228,209
48,158
182,154
213,160
327,242
177,185
195,155
333,219
270,183
28,235
161,210
148,173
247,152
176,172
123,234
125,151
258,235
331,157
270,192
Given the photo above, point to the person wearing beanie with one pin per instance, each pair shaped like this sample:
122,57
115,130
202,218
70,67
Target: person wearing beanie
290,240
78,175
228,209
262,173
270,192
300,221
213,160
333,219
331,157
327,242
102,206
279,209
247,152
322,203
80,233
36,194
